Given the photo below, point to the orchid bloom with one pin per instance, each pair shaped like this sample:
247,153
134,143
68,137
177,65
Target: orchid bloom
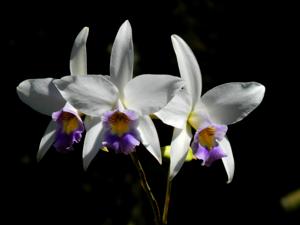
119,105
66,126
209,115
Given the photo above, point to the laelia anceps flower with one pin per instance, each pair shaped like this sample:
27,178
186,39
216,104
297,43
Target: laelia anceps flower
66,125
119,105
209,115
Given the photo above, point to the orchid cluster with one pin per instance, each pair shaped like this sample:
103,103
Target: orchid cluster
115,112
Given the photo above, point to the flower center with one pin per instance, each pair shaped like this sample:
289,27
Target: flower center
207,137
120,130
69,128
69,122
119,123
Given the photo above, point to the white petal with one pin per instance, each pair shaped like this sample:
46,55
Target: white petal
47,140
121,61
228,161
149,137
147,94
78,61
179,149
41,95
229,103
91,95
188,67
176,112
92,141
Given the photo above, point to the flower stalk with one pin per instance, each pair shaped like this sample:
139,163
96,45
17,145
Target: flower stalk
146,187
167,202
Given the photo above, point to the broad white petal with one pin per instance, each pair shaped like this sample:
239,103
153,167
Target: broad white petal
91,95
92,141
149,137
41,95
179,149
228,161
231,102
188,67
147,94
47,140
121,61
78,61
176,112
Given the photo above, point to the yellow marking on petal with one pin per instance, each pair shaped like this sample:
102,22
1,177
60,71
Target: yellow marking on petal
125,103
105,149
194,120
69,122
154,117
119,123
207,137
166,153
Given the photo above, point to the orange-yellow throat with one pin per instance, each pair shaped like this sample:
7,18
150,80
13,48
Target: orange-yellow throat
119,123
69,122
207,137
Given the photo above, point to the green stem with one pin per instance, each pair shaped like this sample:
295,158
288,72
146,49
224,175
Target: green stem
147,189
167,202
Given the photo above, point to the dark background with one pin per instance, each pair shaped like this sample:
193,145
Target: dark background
233,41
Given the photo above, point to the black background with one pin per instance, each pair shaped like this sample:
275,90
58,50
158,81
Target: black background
233,41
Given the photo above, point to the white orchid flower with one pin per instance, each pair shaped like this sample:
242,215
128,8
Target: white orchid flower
119,105
66,126
209,115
